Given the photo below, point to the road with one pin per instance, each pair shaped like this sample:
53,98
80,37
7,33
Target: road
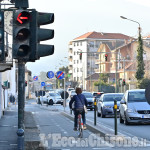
50,121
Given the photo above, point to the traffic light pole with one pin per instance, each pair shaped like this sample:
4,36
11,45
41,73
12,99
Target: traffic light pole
21,93
21,103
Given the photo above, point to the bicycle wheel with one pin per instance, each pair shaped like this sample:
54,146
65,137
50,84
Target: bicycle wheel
80,128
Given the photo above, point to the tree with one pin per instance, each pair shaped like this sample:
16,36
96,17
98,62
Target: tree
144,83
140,63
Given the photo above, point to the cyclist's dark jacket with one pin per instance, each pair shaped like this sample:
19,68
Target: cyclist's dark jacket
77,101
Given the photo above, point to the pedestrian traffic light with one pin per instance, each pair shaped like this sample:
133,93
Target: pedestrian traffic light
2,42
39,34
106,57
21,34
123,82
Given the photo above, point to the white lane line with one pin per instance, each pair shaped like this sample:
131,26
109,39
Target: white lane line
102,148
3,141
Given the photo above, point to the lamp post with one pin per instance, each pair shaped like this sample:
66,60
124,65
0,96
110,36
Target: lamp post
132,21
140,63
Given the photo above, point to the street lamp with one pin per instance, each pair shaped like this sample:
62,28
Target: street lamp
132,21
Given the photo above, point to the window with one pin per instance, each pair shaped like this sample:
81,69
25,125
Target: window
80,43
74,61
77,61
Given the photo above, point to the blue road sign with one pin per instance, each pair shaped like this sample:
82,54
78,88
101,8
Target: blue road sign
60,75
50,74
35,78
42,83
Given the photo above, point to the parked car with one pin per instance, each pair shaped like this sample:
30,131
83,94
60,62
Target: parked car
52,98
72,93
90,100
134,107
105,105
69,89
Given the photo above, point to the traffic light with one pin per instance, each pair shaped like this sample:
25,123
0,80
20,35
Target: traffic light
39,34
123,82
26,83
2,42
106,57
21,34
80,56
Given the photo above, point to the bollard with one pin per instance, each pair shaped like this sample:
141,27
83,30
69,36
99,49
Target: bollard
71,111
20,133
95,109
115,113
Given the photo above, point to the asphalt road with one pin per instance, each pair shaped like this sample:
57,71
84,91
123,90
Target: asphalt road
50,122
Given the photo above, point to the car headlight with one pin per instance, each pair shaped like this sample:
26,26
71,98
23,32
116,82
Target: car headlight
106,106
131,111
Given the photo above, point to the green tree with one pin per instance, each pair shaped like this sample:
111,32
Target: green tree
140,63
144,83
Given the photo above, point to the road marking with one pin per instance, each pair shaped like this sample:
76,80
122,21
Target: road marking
12,144
103,148
3,141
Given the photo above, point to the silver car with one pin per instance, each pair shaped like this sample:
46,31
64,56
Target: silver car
105,105
134,107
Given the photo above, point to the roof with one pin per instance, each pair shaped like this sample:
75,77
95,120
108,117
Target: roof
101,35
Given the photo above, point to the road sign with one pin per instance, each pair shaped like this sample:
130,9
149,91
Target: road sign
35,78
66,94
147,94
42,83
60,75
50,74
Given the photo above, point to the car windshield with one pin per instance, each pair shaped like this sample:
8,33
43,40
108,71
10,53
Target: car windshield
137,96
107,98
88,95
54,94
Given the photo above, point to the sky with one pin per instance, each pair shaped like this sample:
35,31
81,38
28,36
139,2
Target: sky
77,17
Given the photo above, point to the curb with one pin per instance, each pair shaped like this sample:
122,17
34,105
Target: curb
32,139
98,129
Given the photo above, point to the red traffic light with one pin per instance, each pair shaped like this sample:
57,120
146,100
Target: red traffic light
23,17
124,82
106,57
26,83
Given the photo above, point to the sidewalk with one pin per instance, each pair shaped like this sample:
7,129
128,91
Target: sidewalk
8,128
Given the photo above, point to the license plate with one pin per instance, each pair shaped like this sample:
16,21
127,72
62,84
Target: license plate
146,116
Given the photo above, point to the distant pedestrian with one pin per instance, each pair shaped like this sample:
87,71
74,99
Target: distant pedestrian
79,101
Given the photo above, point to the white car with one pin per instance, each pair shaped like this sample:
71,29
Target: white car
51,98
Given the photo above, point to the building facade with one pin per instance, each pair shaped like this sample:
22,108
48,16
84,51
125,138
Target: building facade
88,45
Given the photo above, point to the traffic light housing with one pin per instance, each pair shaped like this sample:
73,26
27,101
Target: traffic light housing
106,57
21,34
123,82
2,42
39,34
80,55
26,83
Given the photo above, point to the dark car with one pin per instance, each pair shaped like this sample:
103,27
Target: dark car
105,105
90,100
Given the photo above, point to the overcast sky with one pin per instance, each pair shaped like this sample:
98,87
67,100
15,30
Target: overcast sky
76,17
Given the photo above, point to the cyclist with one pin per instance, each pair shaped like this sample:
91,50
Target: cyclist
79,101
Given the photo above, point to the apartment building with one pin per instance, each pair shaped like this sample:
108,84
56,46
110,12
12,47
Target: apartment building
88,44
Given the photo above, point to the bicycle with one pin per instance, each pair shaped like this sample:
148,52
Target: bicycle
80,125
